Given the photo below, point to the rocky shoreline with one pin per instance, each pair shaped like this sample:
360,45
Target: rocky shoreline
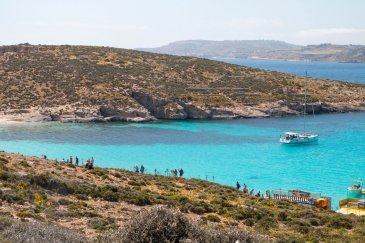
154,109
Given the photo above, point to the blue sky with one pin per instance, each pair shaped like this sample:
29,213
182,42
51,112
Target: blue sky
151,23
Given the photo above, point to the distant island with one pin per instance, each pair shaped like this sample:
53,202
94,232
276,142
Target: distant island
98,84
263,49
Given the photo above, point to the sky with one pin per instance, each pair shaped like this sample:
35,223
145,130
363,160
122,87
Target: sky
152,23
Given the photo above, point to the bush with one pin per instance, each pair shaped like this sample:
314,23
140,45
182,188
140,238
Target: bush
162,224
156,225
201,208
213,218
339,221
47,182
101,223
282,216
141,200
4,175
110,196
64,201
34,232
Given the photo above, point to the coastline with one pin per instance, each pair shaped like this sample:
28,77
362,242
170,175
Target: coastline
187,112
93,201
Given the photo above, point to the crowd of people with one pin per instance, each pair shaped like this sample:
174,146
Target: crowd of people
89,164
251,192
174,172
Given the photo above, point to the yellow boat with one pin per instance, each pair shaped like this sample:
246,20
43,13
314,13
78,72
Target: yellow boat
352,206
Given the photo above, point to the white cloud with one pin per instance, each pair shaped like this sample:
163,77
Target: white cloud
329,31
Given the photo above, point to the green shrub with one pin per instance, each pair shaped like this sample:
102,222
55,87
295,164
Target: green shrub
162,224
340,221
4,175
141,200
213,218
282,216
81,197
101,224
314,222
64,201
201,207
24,163
110,196
50,183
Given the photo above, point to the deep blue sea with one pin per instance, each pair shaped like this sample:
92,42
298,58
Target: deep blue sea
221,151
351,72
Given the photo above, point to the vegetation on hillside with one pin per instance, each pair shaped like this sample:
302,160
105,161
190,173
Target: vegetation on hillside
96,203
78,77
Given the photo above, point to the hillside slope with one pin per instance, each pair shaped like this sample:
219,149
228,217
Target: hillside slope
263,49
324,53
222,49
83,83
92,201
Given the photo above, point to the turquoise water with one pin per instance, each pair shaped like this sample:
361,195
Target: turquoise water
221,151
351,72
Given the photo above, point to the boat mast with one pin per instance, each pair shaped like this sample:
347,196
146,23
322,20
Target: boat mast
305,99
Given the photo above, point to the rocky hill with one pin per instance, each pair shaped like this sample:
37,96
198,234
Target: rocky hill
84,83
324,53
264,49
47,201
222,49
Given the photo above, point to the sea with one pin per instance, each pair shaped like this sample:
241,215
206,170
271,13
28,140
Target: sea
222,151
347,72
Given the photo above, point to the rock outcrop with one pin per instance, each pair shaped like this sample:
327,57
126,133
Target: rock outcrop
161,108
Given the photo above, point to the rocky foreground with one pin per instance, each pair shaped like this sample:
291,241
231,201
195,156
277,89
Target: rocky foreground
98,84
46,201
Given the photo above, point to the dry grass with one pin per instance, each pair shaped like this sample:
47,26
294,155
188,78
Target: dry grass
94,201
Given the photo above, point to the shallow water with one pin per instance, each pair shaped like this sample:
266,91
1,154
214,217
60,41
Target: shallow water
221,151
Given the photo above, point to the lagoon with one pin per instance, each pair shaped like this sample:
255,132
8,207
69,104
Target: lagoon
222,151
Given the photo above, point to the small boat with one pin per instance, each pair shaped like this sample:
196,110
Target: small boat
356,190
298,138
304,137
352,206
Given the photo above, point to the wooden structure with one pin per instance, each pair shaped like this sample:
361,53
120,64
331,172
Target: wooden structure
302,197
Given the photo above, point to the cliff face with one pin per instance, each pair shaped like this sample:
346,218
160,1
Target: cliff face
81,83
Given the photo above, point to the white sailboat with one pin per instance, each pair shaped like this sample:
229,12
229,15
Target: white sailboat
297,137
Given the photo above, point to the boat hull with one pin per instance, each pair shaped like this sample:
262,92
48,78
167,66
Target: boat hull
299,139
354,192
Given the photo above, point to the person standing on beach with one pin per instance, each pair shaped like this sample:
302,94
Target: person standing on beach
77,161
238,186
70,160
142,169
